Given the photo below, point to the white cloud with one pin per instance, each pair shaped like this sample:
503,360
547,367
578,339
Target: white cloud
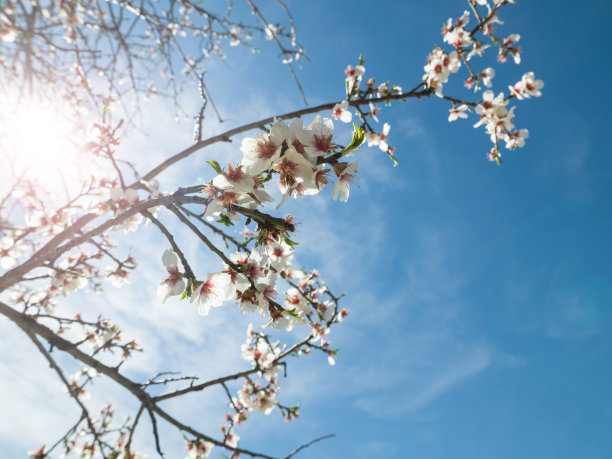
431,384
34,397
406,349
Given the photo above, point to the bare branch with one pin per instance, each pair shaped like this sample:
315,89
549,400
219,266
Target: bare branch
306,445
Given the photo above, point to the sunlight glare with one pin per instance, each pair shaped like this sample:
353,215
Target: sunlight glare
35,141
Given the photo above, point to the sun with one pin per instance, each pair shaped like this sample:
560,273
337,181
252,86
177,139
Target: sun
38,142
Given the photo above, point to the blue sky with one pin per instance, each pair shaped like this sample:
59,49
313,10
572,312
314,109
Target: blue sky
480,296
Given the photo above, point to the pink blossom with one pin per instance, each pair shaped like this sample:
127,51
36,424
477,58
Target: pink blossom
8,253
457,112
212,292
527,87
174,283
340,111
345,178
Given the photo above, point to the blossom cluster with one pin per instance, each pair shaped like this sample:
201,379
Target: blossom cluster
439,67
86,443
296,153
259,276
251,280
198,449
9,252
356,95
493,111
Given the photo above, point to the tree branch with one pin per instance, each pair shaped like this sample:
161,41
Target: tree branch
31,326
306,445
227,135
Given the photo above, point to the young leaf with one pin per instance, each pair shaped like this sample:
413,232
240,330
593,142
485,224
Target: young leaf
215,165
288,241
225,220
266,179
358,137
292,313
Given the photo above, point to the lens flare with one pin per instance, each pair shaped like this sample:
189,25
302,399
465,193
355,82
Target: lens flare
35,142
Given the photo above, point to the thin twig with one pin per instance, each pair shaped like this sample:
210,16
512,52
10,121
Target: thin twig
226,136
133,429
306,445
188,272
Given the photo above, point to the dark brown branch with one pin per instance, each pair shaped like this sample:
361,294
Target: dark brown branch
241,374
155,432
227,237
203,238
133,429
188,272
53,364
51,250
31,326
226,136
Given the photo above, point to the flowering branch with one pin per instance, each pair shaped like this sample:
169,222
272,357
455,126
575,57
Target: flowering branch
58,250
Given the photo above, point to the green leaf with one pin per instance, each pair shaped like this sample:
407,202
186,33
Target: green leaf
215,165
225,220
358,137
266,179
187,291
292,313
288,241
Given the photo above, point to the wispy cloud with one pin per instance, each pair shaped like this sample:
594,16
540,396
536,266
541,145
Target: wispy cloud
413,394
33,397
410,347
